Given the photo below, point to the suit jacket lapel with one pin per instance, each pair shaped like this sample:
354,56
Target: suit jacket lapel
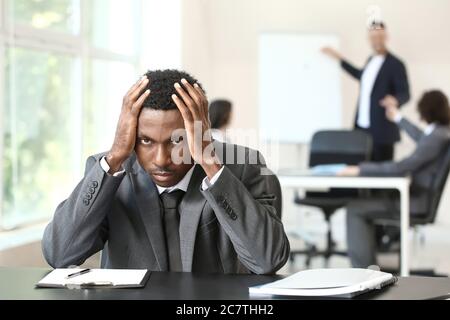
149,207
191,208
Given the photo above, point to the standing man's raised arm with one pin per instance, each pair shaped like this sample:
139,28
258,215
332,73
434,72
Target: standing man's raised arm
352,70
347,66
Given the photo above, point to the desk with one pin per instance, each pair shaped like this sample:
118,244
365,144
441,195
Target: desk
305,181
18,284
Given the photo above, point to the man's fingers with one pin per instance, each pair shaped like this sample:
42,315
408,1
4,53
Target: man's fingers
202,96
137,106
136,93
389,102
384,102
134,86
194,94
185,112
188,102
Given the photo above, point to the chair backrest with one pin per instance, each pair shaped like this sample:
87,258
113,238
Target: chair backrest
437,187
339,146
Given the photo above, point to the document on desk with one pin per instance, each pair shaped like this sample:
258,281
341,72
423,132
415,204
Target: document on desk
95,278
328,169
331,169
345,283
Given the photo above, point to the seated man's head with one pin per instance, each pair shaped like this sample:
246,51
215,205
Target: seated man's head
434,107
158,119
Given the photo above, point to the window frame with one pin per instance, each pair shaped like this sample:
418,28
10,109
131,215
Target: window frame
2,89
79,46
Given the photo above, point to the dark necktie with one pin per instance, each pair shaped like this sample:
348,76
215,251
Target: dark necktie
171,218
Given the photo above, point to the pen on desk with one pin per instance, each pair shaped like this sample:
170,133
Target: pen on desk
79,273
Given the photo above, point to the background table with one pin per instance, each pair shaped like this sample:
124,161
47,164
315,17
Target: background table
305,181
19,283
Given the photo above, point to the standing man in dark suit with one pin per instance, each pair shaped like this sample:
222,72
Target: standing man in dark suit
383,81
166,197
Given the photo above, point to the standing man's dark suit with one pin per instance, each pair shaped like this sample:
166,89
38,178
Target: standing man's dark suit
231,227
391,80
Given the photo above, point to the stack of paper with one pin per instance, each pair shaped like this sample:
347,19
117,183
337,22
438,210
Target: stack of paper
327,282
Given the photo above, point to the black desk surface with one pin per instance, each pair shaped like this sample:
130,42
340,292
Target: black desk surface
19,283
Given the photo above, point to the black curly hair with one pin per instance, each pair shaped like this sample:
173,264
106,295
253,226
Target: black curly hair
161,85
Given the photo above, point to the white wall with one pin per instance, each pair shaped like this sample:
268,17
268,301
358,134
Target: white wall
220,47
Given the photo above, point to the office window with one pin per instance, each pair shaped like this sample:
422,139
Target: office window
105,98
113,25
65,67
38,131
55,15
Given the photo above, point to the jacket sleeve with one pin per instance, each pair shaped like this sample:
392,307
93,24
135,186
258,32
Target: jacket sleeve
412,130
352,70
426,151
245,210
401,85
79,226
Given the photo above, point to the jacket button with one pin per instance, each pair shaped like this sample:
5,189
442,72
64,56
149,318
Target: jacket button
88,196
93,184
91,190
233,216
86,201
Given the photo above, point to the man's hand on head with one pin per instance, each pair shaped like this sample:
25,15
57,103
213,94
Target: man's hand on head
125,137
193,105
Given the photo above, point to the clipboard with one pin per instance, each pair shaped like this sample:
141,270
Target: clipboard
96,279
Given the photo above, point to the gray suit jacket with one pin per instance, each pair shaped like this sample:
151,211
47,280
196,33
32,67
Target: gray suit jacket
232,227
422,164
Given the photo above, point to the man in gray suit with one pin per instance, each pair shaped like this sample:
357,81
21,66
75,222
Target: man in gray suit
421,165
165,199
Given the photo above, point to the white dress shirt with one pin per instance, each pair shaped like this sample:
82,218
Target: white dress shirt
368,78
429,129
181,185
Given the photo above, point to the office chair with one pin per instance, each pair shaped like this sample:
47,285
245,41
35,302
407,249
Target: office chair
391,240
327,147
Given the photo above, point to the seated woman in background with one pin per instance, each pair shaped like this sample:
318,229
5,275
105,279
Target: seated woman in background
220,117
421,165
